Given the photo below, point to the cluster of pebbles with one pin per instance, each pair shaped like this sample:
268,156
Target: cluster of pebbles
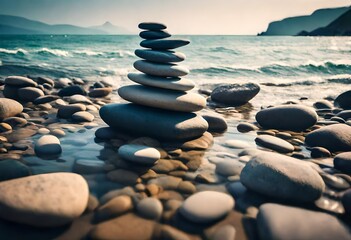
154,173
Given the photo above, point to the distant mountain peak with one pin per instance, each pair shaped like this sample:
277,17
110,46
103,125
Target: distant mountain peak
107,24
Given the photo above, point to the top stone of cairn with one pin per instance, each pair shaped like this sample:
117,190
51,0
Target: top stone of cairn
154,26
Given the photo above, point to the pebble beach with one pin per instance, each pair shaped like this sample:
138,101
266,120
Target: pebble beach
164,157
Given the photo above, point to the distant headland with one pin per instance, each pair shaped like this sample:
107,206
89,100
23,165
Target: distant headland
322,22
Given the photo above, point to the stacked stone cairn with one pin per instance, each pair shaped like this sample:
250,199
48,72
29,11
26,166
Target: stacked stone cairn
160,104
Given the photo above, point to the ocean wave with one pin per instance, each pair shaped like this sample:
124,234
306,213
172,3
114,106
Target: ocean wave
55,52
224,50
18,51
13,69
88,52
224,70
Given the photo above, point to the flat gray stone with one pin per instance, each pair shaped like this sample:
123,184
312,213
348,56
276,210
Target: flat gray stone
335,137
161,70
164,44
9,108
282,177
207,206
154,26
160,56
47,145
139,154
19,81
274,143
276,221
162,98
172,83
145,121
287,117
154,34
46,200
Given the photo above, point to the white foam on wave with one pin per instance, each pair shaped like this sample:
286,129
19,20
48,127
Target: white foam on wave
56,52
13,51
124,53
87,52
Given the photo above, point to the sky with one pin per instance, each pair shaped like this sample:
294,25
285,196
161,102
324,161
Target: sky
237,17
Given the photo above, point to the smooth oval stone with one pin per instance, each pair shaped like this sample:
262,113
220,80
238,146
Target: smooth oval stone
139,154
19,81
29,94
46,200
161,70
346,201
274,143
100,92
150,208
82,116
45,99
216,123
11,169
276,221
342,162
71,90
235,94
83,166
287,117
43,80
323,104
48,145
154,26
345,115
154,34
160,56
282,177
145,121
320,152
228,168
11,92
336,137
162,98
343,100
207,206
9,108
66,111
172,83
245,127
114,208
77,98
164,44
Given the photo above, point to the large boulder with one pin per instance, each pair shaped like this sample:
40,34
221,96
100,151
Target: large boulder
46,200
287,117
276,221
282,177
235,94
152,122
336,137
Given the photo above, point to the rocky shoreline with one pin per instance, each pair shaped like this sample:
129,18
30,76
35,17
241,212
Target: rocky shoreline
65,174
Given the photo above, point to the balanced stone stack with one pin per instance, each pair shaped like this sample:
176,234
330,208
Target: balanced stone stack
161,105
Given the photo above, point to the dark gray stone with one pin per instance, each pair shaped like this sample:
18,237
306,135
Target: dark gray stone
290,223
235,94
343,100
71,90
287,117
164,44
336,137
160,69
154,34
160,56
342,162
45,99
154,26
346,115
11,169
146,121
282,177
29,94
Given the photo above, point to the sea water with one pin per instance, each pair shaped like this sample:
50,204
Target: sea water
287,68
